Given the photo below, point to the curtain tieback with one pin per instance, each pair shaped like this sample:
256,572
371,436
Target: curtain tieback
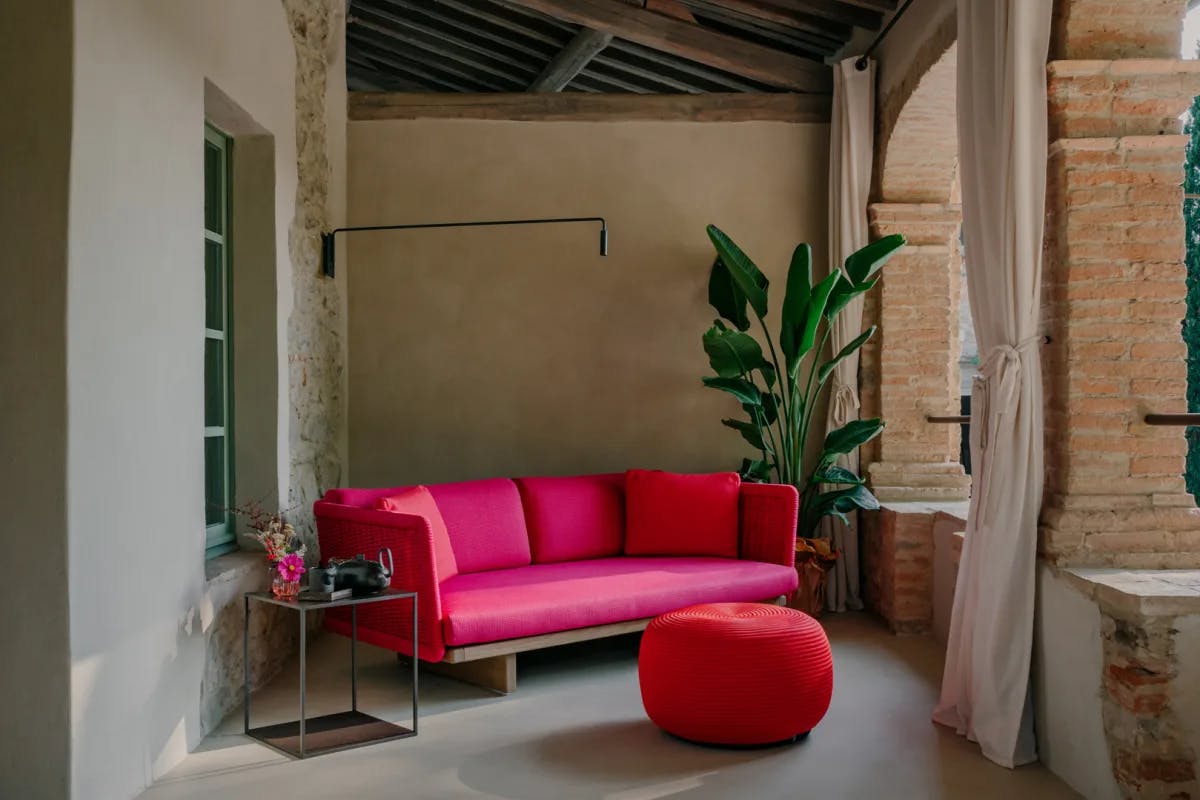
1003,364
844,404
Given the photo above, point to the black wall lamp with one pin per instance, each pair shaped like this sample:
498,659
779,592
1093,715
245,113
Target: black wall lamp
327,249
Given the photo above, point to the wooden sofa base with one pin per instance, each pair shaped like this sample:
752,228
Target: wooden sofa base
493,665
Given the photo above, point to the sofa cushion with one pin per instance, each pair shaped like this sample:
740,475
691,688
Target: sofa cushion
544,598
485,523
671,514
574,518
420,502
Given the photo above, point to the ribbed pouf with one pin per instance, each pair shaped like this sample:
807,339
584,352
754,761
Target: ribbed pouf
735,673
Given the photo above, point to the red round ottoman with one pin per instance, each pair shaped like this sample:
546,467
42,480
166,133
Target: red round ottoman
735,673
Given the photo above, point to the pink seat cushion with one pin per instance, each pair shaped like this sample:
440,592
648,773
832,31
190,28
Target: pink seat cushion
573,518
420,502
485,523
543,598
671,514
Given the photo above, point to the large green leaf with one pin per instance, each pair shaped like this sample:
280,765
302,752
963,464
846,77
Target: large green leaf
837,503
747,276
725,296
769,404
851,435
745,391
864,263
806,334
836,474
732,354
755,471
843,292
750,432
795,299
844,353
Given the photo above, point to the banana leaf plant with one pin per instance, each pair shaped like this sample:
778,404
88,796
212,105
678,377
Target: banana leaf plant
778,395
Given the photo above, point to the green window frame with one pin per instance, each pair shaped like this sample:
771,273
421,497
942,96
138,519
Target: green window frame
218,342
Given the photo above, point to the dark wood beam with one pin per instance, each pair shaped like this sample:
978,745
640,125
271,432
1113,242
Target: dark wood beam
882,6
816,35
583,107
571,60
729,53
824,9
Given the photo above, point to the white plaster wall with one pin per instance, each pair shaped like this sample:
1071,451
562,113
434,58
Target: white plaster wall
1185,689
947,548
1067,673
135,368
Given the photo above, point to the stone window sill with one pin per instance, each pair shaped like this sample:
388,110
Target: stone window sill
1145,592
231,566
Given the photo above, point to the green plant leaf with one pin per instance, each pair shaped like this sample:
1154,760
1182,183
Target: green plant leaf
837,503
769,404
750,432
864,263
843,292
755,471
725,296
795,299
853,434
732,354
836,474
768,373
806,334
745,391
844,353
746,275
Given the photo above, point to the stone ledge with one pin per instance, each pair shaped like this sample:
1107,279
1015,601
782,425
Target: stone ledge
231,566
1140,592
956,509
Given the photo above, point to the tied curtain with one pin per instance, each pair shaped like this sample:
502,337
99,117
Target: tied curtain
1002,49
851,154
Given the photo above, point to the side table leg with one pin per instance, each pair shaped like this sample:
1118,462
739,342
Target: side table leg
246,667
303,660
416,657
353,658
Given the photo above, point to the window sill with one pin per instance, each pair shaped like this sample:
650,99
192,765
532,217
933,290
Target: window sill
232,566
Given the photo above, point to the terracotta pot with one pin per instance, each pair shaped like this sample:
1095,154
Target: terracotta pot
809,596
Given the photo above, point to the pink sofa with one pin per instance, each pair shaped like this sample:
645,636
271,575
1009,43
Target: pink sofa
538,556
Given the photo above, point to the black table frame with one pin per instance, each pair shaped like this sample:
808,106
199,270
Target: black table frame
333,732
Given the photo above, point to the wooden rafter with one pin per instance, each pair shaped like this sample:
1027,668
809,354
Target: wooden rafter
689,41
571,60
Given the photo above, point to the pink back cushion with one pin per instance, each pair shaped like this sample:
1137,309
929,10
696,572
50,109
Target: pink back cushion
485,522
671,514
483,519
574,518
419,501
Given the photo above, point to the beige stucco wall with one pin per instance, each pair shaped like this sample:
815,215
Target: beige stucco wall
509,351
140,603
35,90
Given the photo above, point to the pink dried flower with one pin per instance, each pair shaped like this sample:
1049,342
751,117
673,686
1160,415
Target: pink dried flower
291,567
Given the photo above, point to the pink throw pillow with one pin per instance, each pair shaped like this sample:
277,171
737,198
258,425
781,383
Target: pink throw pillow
671,514
419,502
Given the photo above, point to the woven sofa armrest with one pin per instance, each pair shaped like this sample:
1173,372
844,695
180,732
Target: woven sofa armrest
768,513
345,531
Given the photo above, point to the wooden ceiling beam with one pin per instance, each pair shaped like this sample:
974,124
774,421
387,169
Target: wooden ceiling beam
750,60
805,10
571,60
581,106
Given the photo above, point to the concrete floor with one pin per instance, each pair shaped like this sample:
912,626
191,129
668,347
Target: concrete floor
575,730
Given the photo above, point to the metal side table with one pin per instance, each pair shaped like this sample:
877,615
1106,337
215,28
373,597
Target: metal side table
327,734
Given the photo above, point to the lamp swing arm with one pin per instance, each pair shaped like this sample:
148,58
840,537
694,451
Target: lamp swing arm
327,237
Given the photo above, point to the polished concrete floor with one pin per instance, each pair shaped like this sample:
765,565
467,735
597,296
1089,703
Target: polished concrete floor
575,730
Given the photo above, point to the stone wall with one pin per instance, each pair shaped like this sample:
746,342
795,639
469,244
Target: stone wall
315,362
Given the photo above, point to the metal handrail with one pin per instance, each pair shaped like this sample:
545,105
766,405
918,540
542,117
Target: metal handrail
1173,419
953,420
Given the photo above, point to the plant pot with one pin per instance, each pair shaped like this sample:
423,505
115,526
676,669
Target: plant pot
284,589
809,596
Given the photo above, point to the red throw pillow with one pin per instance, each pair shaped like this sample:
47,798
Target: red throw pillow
418,501
669,514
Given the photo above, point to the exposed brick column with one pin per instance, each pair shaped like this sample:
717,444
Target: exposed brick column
1114,287
918,356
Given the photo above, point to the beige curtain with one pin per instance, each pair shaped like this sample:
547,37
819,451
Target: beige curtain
1002,48
851,151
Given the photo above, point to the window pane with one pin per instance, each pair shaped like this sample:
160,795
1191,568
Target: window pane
214,286
214,179
214,382
216,499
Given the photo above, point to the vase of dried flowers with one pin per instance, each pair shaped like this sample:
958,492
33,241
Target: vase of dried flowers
814,558
285,551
